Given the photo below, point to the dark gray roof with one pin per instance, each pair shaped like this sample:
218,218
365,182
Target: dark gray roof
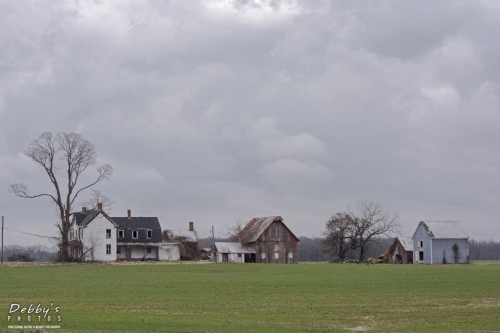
141,224
84,218
80,216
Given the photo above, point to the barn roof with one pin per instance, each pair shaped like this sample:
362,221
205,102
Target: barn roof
233,247
406,242
445,230
254,229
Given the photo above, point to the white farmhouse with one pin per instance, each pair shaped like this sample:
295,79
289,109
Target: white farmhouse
443,242
95,236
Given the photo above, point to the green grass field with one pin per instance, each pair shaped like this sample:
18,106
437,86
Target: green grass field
155,297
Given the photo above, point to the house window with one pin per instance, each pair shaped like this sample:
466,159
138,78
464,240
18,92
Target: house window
276,247
421,256
149,233
108,248
135,234
290,255
148,249
421,244
119,250
277,255
71,234
262,256
239,255
120,233
108,233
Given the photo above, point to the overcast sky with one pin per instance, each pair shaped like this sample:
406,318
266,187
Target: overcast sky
218,111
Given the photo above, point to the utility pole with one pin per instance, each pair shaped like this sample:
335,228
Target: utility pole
2,239
213,243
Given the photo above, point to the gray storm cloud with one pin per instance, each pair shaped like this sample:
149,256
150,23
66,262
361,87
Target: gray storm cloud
214,111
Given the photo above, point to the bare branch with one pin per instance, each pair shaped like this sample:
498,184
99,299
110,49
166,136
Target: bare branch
105,172
21,191
97,197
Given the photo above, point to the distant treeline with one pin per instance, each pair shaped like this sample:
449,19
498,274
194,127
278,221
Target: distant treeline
484,250
309,249
40,253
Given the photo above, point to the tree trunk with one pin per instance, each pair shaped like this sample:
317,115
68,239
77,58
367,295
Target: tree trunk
361,251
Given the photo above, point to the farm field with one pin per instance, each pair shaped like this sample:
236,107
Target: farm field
307,297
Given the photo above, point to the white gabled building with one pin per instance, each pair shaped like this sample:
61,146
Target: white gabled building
440,242
93,236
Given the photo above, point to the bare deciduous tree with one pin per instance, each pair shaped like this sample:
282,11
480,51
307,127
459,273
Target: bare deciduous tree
371,221
339,236
234,231
78,155
96,197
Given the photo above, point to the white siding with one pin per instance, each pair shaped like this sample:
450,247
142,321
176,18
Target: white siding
232,257
138,251
94,240
169,252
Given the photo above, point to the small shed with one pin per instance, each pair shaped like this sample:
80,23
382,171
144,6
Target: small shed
234,252
401,251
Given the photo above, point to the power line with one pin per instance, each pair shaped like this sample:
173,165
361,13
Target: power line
28,233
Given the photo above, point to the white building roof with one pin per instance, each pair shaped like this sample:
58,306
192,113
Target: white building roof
233,247
406,242
446,230
186,234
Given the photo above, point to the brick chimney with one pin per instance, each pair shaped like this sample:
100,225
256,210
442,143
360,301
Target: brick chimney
84,209
191,226
129,213
99,206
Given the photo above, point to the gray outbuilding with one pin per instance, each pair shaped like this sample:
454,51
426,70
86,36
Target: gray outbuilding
443,242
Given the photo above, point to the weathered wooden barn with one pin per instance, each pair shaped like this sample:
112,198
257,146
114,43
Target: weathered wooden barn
401,251
271,239
442,242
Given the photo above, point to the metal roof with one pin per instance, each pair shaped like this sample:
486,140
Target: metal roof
254,229
446,230
406,242
233,247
